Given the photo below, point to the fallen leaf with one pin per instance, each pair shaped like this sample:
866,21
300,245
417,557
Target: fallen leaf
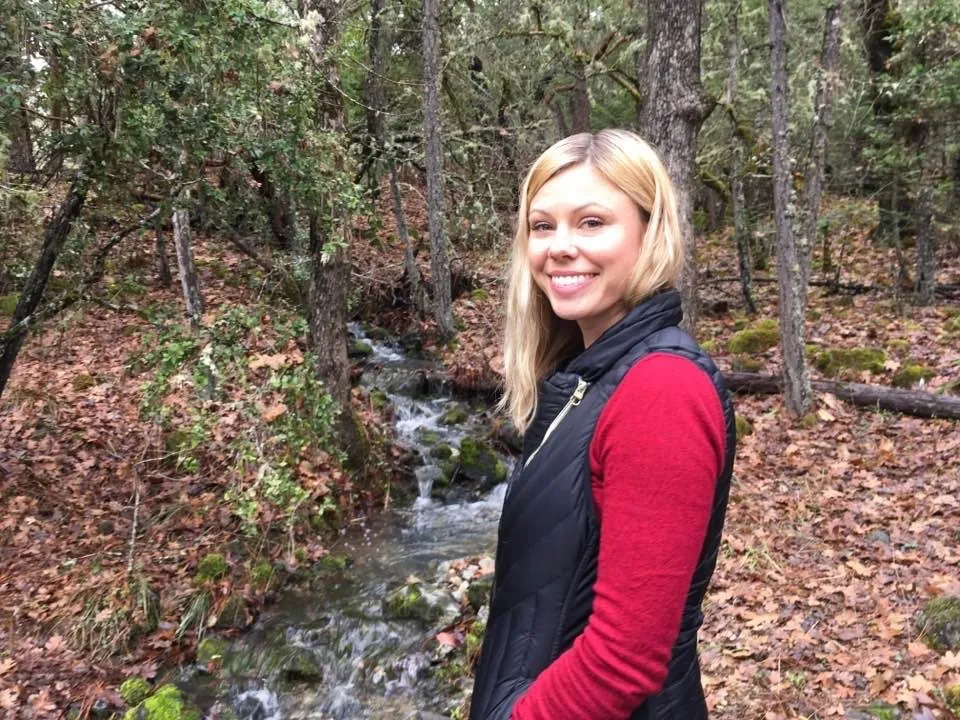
275,411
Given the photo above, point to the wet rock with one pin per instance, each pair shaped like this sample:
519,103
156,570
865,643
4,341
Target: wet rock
479,592
455,416
442,451
301,665
428,437
416,600
359,349
480,465
211,649
939,621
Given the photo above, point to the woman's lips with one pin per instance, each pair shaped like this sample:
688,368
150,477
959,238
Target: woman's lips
567,285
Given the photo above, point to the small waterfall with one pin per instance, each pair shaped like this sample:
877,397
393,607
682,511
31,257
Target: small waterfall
332,653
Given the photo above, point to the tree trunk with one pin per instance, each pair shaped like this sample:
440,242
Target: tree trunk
278,207
163,264
580,101
373,141
189,281
439,261
676,107
411,273
926,235
792,289
738,203
20,159
53,239
823,104
909,402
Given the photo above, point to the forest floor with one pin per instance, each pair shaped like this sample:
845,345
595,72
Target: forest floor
841,526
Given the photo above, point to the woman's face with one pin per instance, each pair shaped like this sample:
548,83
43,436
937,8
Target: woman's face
584,242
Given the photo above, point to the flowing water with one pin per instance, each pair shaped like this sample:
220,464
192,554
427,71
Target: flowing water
330,651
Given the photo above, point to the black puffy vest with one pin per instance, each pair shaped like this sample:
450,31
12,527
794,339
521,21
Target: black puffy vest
547,549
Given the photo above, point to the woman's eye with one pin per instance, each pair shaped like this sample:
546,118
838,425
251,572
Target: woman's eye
540,226
593,222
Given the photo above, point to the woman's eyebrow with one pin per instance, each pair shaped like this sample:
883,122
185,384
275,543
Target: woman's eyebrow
578,208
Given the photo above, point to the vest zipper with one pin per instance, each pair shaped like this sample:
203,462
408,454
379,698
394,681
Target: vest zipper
574,400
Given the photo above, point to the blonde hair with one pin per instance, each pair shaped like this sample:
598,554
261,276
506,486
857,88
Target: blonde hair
535,339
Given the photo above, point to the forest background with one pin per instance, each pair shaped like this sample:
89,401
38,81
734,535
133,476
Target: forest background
293,166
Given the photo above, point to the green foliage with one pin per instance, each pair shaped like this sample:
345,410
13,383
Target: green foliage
762,336
909,375
166,703
744,427
8,303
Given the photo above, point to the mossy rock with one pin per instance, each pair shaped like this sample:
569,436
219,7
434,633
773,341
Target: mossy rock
233,614
379,399
82,382
213,567
479,591
875,711
834,362
762,336
939,621
359,349
301,665
480,464
211,649
405,603
455,416
745,363
709,346
135,690
377,334
951,325
479,294
442,451
8,303
331,561
744,426
427,436
166,703
909,375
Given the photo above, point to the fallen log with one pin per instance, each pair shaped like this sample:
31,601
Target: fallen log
908,402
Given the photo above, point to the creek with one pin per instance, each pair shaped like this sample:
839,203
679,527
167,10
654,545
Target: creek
330,650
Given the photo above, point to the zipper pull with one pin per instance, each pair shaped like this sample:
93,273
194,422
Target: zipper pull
579,392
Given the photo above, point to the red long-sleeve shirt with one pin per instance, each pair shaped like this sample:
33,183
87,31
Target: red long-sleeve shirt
656,453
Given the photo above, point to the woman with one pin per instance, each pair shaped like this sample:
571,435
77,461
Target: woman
612,520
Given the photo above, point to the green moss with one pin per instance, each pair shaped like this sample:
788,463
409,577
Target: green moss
8,303
233,614
165,704
427,437
709,346
134,690
808,421
379,399
951,696
835,362
478,593
940,623
744,426
455,416
882,711
442,452
83,381
360,349
406,602
334,562
744,363
479,294
211,649
301,665
762,336
898,346
212,566
910,375
952,325
262,574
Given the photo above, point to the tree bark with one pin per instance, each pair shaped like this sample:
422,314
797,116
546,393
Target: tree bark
373,142
791,286
411,272
53,238
278,207
823,104
189,281
676,107
580,101
909,402
20,159
439,260
926,235
163,264
738,202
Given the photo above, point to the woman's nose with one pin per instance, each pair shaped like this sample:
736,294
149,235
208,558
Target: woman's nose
562,243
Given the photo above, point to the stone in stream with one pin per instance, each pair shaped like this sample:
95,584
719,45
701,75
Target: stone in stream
416,600
480,465
301,665
456,415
